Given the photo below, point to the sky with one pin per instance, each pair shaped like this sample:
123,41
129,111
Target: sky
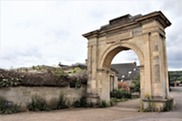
46,32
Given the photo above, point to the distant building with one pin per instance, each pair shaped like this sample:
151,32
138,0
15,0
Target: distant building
126,71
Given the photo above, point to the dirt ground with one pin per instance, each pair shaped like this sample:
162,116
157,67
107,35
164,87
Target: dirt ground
126,111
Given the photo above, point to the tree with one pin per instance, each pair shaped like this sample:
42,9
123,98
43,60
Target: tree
136,84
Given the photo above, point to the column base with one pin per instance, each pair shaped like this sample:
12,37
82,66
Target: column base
157,105
93,99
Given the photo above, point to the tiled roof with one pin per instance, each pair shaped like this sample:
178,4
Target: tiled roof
126,71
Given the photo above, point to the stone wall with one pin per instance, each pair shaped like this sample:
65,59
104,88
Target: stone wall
23,95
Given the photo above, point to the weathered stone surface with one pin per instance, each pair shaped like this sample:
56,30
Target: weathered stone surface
144,34
23,95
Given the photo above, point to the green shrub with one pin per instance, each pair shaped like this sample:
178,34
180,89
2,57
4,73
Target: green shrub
59,72
53,104
38,104
104,104
114,101
50,78
76,70
169,105
44,79
81,103
136,86
120,94
8,107
62,102
9,78
78,77
76,104
5,82
12,78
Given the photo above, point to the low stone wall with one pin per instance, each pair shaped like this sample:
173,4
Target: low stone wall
23,95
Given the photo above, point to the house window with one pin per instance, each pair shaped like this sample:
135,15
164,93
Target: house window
129,72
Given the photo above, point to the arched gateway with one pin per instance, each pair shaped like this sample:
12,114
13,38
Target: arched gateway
143,34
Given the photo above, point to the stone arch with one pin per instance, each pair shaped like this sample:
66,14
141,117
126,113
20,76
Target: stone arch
145,35
114,49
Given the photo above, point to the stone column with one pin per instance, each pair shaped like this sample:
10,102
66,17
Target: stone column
146,81
157,71
142,82
104,84
92,89
165,68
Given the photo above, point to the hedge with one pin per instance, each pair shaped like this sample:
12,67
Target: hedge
12,78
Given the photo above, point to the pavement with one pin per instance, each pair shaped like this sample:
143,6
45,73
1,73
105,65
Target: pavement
125,111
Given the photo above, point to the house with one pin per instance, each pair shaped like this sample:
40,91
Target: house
126,71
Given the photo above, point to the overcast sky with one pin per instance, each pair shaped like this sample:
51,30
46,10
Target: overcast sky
37,32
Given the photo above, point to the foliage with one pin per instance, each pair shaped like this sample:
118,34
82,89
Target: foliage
37,68
81,103
44,79
118,93
169,105
8,107
104,104
76,70
116,100
136,84
8,79
175,76
149,108
113,101
123,86
4,82
54,77
82,76
78,77
11,78
62,102
38,104
53,104
59,72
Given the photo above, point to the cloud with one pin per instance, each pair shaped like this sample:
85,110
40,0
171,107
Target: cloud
47,32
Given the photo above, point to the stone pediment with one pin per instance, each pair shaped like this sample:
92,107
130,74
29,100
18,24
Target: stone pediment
127,22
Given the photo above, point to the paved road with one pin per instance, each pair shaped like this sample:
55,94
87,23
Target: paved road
174,115
126,111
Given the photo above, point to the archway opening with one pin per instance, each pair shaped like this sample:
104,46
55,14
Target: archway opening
123,63
125,79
